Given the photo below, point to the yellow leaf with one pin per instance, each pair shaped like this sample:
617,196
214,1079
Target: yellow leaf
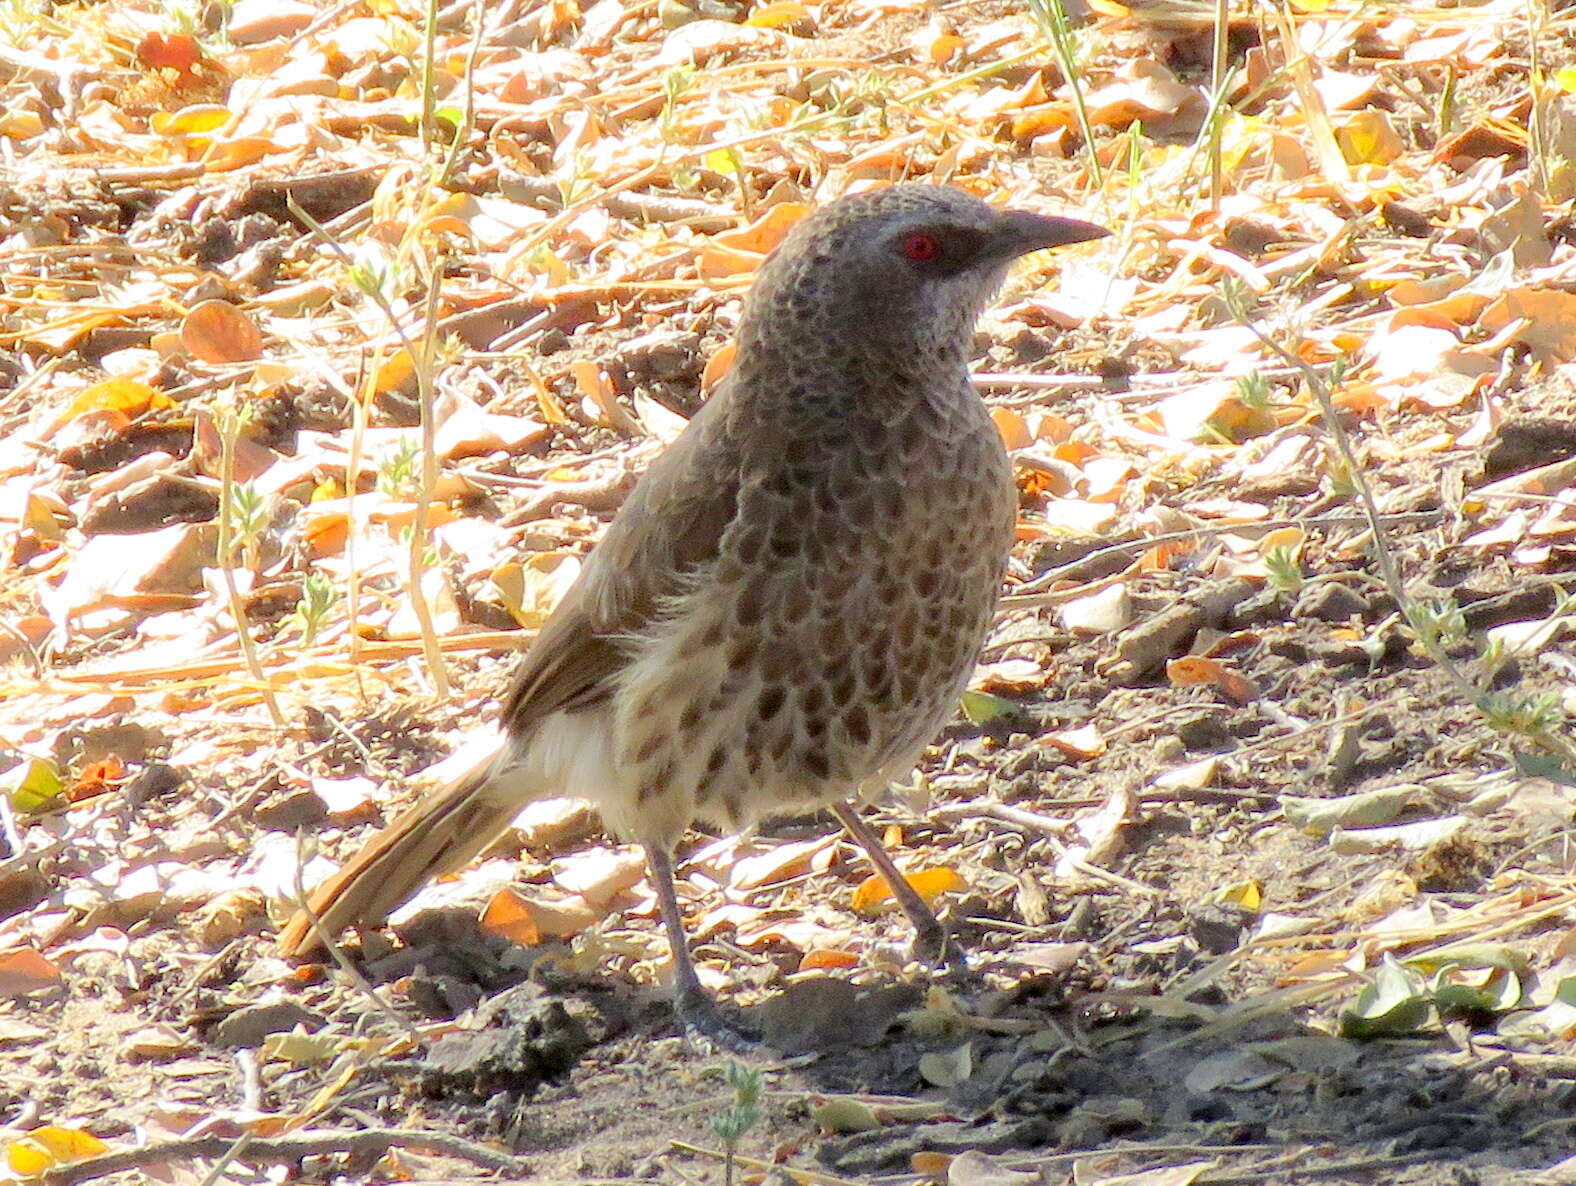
1368,139
529,591
21,125
1246,894
929,884
1290,539
778,13
131,396
52,1145
199,118
40,517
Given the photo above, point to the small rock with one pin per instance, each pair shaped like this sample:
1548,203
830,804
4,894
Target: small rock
1217,928
662,356
825,1013
530,1040
296,808
246,1028
1205,731
1329,601
157,501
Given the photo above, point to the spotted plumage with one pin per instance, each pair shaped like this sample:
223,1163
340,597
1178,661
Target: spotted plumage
788,605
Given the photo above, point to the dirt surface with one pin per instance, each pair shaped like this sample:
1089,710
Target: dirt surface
1168,963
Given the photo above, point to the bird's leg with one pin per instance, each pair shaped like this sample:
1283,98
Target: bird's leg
695,1007
932,943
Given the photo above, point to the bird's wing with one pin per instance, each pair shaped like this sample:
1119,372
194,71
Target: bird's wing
671,525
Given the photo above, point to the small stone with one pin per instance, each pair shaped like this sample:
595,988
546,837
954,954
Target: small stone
246,1028
1206,731
1329,601
296,808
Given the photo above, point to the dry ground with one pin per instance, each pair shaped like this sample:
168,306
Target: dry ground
1170,959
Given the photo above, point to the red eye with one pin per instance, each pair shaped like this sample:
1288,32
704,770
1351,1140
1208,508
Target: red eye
920,247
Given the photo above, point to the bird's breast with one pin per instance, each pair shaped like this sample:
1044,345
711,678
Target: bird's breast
829,639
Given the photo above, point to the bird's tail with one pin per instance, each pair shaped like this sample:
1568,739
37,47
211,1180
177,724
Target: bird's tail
441,833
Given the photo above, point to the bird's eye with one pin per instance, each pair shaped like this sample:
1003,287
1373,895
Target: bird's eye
920,247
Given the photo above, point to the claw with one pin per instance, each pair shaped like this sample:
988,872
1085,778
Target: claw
705,1026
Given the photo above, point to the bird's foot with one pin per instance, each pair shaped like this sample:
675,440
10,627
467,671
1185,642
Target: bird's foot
705,1026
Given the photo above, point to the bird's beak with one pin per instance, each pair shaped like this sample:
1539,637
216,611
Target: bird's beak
1022,232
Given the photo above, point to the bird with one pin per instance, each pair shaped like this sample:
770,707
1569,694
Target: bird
789,604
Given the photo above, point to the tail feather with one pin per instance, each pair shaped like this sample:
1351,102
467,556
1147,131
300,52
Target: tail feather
439,834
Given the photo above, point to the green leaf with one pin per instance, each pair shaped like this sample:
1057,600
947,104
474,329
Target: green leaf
34,787
843,1114
1471,955
983,707
1393,1003
1497,992
1539,765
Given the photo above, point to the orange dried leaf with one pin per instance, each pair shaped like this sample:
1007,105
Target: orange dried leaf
216,331
1159,557
763,235
96,779
932,1165
327,534
1486,138
1315,964
929,884
238,152
1073,452
718,261
1014,430
937,45
1547,317
396,372
717,366
1053,428
822,959
1288,539
1193,670
24,970
169,51
509,917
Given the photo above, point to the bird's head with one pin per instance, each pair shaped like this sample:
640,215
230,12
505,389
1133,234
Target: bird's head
908,267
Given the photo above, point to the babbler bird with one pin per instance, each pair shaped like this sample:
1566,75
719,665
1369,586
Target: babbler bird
789,604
